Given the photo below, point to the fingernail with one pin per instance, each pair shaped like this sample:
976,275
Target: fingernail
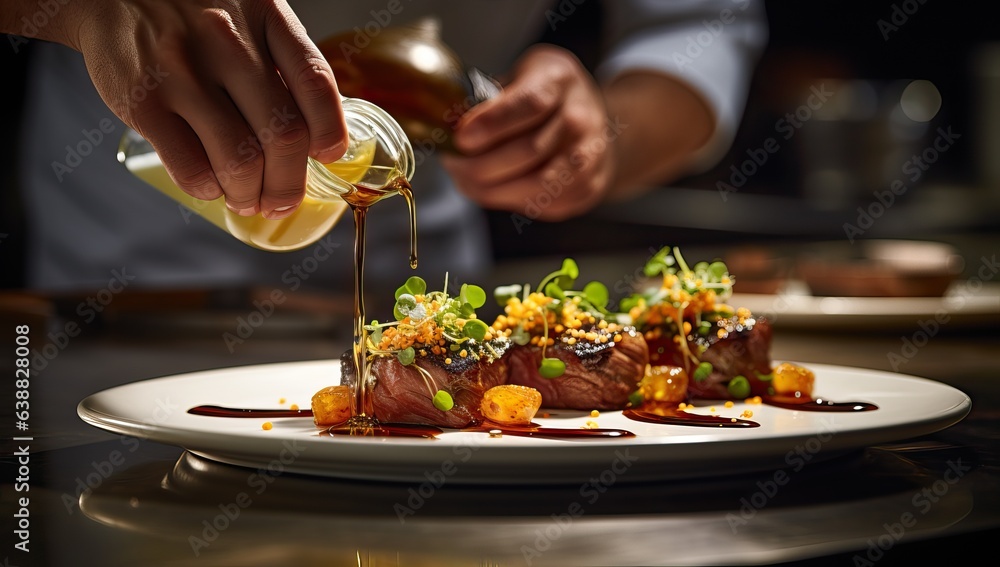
280,212
331,154
247,212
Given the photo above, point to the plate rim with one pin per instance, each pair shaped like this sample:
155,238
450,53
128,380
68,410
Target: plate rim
213,446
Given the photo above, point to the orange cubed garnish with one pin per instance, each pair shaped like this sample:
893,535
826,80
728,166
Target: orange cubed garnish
792,379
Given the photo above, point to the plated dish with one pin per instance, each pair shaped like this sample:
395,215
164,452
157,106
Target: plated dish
672,381
157,409
559,345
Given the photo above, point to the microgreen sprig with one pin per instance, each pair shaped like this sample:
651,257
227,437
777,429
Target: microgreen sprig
679,277
558,286
697,293
704,276
455,316
420,313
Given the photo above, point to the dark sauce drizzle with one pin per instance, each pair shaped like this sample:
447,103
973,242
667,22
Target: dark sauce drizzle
413,430
818,404
219,411
656,413
534,430
674,416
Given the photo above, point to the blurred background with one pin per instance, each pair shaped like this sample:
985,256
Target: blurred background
865,120
889,88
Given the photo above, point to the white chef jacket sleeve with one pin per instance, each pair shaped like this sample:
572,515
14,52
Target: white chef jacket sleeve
712,45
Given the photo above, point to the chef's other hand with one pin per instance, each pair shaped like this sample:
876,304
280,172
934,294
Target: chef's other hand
553,144
546,133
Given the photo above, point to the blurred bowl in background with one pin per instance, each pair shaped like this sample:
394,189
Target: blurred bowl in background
880,268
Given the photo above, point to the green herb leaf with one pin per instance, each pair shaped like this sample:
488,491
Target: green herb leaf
475,329
552,368
466,311
376,334
659,263
442,401
627,303
473,295
570,268
416,285
568,274
565,277
406,356
597,294
554,291
718,270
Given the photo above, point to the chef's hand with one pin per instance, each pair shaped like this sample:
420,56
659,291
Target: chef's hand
233,95
554,144
546,133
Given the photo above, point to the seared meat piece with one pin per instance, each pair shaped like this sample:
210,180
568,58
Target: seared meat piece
744,350
744,353
598,375
403,394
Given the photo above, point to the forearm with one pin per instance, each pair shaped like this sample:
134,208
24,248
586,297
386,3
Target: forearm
49,20
659,126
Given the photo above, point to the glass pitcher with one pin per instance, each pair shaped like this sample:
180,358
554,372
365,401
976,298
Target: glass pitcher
378,154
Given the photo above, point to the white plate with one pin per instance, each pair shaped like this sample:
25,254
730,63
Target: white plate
966,304
157,409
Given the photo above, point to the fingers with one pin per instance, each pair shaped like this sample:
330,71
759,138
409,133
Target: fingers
269,172
527,102
310,80
543,150
278,132
246,109
228,141
570,183
181,152
511,159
